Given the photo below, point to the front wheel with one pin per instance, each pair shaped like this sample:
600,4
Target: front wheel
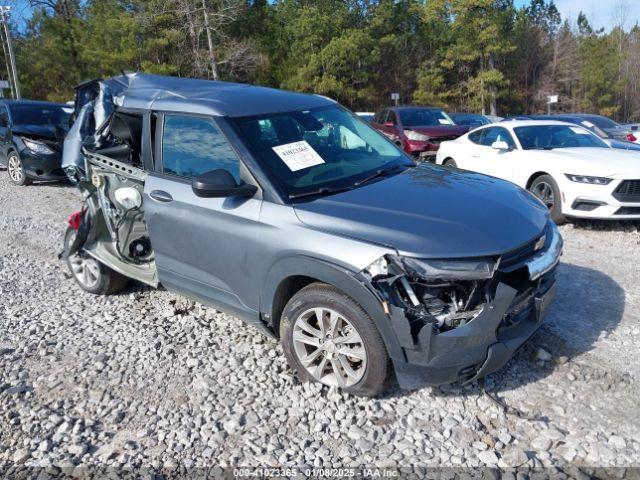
15,168
328,338
546,189
92,276
450,162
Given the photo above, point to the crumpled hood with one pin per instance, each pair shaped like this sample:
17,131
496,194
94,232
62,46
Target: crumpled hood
429,211
602,162
441,130
40,131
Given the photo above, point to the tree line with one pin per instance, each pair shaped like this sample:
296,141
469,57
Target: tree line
465,55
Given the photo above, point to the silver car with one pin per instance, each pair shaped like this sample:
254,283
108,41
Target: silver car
293,214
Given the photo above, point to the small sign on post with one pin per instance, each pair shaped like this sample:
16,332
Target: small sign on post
552,99
395,97
4,85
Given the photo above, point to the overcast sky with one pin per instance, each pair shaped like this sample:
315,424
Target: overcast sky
601,13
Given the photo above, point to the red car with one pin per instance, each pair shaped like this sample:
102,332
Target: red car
418,130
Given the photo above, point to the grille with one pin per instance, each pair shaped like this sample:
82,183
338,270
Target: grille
628,211
628,191
514,259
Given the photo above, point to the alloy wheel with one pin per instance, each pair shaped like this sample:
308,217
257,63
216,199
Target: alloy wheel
544,192
85,268
329,347
16,172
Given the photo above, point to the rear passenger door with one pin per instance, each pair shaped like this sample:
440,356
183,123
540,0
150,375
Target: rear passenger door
201,244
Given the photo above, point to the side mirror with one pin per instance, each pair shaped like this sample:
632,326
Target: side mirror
500,145
219,184
389,124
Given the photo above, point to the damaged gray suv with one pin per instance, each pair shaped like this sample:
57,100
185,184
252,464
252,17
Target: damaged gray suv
289,212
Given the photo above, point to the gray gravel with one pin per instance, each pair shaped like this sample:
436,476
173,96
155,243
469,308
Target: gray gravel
149,379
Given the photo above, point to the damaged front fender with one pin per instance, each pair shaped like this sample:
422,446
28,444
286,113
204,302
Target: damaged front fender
458,329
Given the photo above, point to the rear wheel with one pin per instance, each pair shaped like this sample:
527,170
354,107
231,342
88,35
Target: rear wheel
328,338
450,162
546,189
90,274
16,171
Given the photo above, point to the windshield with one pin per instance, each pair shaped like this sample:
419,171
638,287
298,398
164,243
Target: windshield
600,121
469,119
44,115
547,137
320,148
424,117
586,124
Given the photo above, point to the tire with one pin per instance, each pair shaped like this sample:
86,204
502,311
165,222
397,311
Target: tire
450,162
546,189
91,275
16,171
365,370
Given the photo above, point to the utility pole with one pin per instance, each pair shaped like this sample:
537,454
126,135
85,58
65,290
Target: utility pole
4,14
6,61
212,53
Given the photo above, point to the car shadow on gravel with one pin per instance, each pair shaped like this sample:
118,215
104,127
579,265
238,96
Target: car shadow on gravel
588,305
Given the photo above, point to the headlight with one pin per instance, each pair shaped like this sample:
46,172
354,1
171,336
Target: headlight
473,269
37,147
411,135
589,180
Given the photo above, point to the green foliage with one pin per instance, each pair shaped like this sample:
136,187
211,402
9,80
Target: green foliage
475,55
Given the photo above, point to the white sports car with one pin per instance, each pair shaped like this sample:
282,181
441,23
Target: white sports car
567,167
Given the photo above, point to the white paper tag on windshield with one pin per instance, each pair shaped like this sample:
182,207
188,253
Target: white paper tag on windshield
444,121
579,130
587,124
298,155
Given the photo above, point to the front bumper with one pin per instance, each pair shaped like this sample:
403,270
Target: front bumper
479,348
486,343
420,149
42,167
597,202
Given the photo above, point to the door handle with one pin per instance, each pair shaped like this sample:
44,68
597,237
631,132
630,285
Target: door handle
161,196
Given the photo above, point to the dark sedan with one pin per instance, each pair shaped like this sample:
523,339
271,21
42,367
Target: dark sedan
418,130
31,137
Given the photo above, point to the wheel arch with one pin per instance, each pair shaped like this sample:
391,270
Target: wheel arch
289,275
533,177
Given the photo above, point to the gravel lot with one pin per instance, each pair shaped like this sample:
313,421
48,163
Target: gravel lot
149,379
